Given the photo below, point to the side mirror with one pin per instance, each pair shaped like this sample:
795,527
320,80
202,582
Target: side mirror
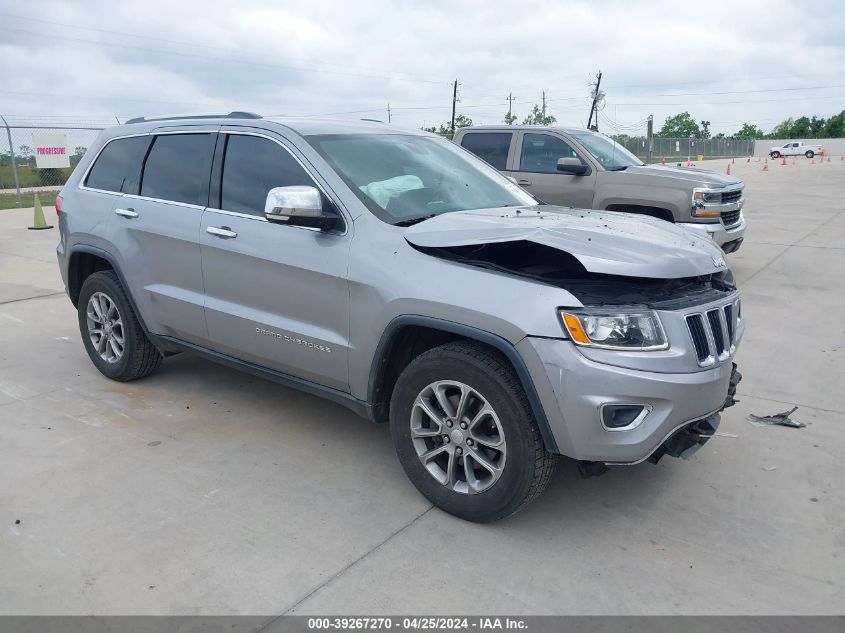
298,206
571,166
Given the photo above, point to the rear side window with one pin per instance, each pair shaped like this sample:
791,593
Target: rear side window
490,146
177,168
252,166
118,167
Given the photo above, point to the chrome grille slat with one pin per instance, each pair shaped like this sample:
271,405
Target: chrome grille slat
730,218
731,196
713,333
715,322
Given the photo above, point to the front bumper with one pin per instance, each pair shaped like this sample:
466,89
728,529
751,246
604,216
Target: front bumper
728,238
573,388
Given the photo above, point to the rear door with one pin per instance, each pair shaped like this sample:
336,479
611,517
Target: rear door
156,231
536,171
276,295
493,147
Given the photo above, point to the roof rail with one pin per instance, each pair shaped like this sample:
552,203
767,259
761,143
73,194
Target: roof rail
215,115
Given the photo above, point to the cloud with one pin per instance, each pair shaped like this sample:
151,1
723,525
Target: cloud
99,58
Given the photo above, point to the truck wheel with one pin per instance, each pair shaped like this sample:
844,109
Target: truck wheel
465,434
775,155
809,153
112,335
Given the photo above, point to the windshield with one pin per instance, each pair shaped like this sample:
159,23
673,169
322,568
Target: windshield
608,152
404,178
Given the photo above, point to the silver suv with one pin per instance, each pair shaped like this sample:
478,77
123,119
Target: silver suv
583,169
399,275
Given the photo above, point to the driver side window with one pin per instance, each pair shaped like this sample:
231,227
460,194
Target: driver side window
540,153
251,167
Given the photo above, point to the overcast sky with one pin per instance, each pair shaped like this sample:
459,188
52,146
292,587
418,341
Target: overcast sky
727,62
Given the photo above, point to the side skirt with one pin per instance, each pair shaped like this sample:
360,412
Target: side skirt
168,344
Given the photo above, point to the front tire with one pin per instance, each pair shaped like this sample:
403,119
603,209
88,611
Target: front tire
465,433
111,332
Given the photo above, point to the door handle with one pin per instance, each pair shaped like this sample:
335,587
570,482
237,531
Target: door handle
127,213
523,182
224,231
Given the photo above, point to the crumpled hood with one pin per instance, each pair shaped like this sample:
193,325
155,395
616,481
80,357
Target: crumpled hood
693,176
603,242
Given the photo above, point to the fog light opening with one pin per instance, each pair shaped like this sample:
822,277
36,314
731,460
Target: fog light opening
623,417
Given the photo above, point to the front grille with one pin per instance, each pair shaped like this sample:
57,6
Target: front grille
730,218
713,333
731,196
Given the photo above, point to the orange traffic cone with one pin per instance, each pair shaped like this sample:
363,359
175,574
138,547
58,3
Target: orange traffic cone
663,160
733,160
765,166
749,160
828,157
813,161
728,173
784,161
689,163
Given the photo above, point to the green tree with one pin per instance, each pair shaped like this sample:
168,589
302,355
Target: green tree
784,129
78,153
445,129
817,125
835,126
681,125
801,127
536,117
749,132
705,130
510,117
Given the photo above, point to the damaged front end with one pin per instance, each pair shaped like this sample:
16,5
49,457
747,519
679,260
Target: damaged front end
683,442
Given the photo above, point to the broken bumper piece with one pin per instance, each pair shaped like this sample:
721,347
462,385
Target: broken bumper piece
687,441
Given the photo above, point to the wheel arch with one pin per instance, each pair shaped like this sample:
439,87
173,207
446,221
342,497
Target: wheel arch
85,260
652,211
408,336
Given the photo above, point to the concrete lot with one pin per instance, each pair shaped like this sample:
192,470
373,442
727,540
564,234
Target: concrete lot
201,490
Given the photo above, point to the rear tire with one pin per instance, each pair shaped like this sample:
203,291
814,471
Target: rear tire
775,155
111,332
494,461
809,153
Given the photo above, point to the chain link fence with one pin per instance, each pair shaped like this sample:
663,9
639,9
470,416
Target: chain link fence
677,149
38,159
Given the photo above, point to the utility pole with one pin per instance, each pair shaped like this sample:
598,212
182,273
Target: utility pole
544,107
649,140
12,158
454,100
510,108
388,113
596,96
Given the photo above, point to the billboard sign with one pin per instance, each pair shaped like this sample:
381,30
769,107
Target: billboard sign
50,150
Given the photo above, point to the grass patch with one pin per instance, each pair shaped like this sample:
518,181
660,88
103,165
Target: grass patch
10,200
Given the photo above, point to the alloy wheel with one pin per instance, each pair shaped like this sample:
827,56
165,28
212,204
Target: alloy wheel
458,437
105,327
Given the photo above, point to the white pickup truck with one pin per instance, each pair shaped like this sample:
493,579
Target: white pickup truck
795,148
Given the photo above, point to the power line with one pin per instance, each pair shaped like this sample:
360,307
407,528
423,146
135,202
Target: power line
222,59
179,43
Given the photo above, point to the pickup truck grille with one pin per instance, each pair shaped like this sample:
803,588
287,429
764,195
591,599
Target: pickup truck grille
713,333
731,196
729,218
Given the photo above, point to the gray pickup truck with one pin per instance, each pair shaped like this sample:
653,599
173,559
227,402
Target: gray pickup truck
586,170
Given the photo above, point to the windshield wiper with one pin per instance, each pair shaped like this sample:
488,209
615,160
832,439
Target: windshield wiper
413,221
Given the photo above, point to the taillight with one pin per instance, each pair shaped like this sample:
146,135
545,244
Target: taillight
59,201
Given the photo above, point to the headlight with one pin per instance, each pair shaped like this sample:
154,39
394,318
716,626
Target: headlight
702,197
632,331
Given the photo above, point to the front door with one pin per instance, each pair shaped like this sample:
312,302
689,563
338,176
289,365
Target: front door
276,295
537,172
